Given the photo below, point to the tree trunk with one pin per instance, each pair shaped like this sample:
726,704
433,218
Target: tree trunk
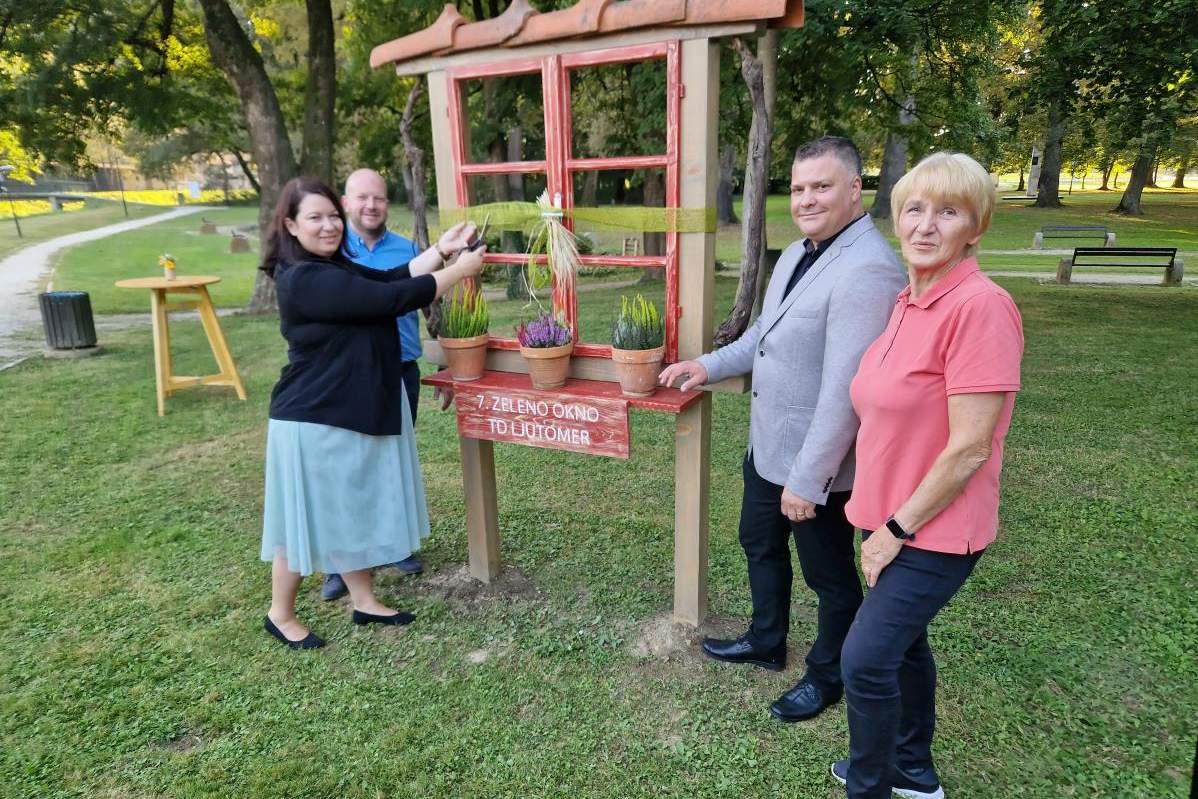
317,157
1140,172
413,170
513,240
245,170
894,166
654,243
590,189
236,57
1049,194
1179,179
1156,165
1021,186
725,213
753,205
1106,169
755,182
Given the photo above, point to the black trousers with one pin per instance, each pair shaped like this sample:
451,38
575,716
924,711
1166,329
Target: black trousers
828,562
889,671
411,384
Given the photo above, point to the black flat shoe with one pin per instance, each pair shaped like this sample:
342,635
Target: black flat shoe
740,650
310,642
361,617
804,701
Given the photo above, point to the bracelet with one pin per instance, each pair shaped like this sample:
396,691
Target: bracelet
443,256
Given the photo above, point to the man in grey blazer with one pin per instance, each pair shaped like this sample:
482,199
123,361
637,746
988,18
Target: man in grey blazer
830,296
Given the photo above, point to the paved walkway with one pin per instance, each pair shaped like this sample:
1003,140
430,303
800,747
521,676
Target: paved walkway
21,275
1095,278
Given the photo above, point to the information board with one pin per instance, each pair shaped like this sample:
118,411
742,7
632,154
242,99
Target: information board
592,425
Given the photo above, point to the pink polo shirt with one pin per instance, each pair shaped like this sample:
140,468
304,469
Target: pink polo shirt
963,336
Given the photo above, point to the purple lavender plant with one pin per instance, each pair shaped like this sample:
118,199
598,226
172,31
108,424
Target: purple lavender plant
544,331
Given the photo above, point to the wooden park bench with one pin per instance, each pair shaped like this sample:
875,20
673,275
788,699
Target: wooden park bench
1073,232
1152,257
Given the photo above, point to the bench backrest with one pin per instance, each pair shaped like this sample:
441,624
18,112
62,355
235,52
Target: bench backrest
1068,231
1124,256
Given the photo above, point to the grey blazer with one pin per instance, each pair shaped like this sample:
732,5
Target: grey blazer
803,352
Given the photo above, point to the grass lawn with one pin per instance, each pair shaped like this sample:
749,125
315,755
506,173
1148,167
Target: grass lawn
133,664
95,266
47,226
1171,220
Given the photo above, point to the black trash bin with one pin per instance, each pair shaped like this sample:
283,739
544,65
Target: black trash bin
67,320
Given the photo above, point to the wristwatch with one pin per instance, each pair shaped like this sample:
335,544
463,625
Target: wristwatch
897,530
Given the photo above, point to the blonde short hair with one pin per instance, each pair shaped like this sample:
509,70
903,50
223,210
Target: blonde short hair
950,177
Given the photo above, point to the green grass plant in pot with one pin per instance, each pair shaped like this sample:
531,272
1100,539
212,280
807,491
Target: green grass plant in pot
464,323
546,345
638,346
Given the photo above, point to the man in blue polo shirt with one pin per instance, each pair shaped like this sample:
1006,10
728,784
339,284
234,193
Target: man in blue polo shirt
370,244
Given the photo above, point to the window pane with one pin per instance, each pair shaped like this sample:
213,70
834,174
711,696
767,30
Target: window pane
598,308
618,189
619,109
505,118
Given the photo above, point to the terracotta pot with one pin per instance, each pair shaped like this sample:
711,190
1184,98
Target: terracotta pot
548,366
466,357
638,370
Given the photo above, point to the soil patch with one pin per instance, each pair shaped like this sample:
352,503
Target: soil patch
459,588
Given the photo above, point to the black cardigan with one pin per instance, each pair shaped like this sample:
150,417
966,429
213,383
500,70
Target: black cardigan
343,351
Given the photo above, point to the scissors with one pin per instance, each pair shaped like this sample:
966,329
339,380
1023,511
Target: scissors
480,238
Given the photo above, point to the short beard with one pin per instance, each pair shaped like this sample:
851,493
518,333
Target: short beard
374,233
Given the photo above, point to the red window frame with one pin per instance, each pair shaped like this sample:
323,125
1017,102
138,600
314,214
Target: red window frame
560,166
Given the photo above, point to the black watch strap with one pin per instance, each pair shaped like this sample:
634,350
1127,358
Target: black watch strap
897,530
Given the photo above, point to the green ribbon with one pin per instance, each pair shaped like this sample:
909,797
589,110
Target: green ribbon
523,215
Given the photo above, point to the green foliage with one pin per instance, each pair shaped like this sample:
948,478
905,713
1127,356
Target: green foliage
465,315
639,326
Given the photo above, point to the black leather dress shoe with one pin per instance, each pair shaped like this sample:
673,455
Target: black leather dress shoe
361,617
804,701
740,650
311,641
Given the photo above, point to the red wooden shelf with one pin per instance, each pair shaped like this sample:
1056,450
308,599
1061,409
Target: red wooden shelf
666,400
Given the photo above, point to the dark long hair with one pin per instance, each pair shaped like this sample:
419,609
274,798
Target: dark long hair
283,249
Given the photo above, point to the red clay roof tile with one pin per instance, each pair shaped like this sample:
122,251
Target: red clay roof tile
704,12
521,24
577,20
641,13
491,32
437,36
793,18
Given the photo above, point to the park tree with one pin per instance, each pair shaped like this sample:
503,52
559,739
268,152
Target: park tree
1146,83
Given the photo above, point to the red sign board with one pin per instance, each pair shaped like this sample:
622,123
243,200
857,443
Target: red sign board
592,425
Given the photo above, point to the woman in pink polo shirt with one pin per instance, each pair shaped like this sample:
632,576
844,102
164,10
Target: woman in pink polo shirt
934,394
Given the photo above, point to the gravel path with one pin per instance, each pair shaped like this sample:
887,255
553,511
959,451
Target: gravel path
21,274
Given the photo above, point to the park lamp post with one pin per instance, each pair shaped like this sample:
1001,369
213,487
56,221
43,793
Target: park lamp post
4,172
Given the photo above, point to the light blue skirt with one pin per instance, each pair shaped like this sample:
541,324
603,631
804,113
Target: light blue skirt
339,501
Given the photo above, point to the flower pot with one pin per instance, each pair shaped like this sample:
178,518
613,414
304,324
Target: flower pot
638,370
548,366
466,357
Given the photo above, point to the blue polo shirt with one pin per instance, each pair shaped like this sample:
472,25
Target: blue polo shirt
391,252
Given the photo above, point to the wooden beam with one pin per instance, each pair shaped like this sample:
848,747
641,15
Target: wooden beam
692,443
492,55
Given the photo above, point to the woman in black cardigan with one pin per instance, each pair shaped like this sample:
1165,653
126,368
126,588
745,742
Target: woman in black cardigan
343,485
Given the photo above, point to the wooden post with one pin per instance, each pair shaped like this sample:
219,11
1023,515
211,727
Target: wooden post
162,347
1065,270
216,340
699,177
478,457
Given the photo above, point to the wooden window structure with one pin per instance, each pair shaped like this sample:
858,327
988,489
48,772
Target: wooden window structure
560,166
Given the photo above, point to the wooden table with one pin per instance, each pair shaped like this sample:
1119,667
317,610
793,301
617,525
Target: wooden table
197,285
